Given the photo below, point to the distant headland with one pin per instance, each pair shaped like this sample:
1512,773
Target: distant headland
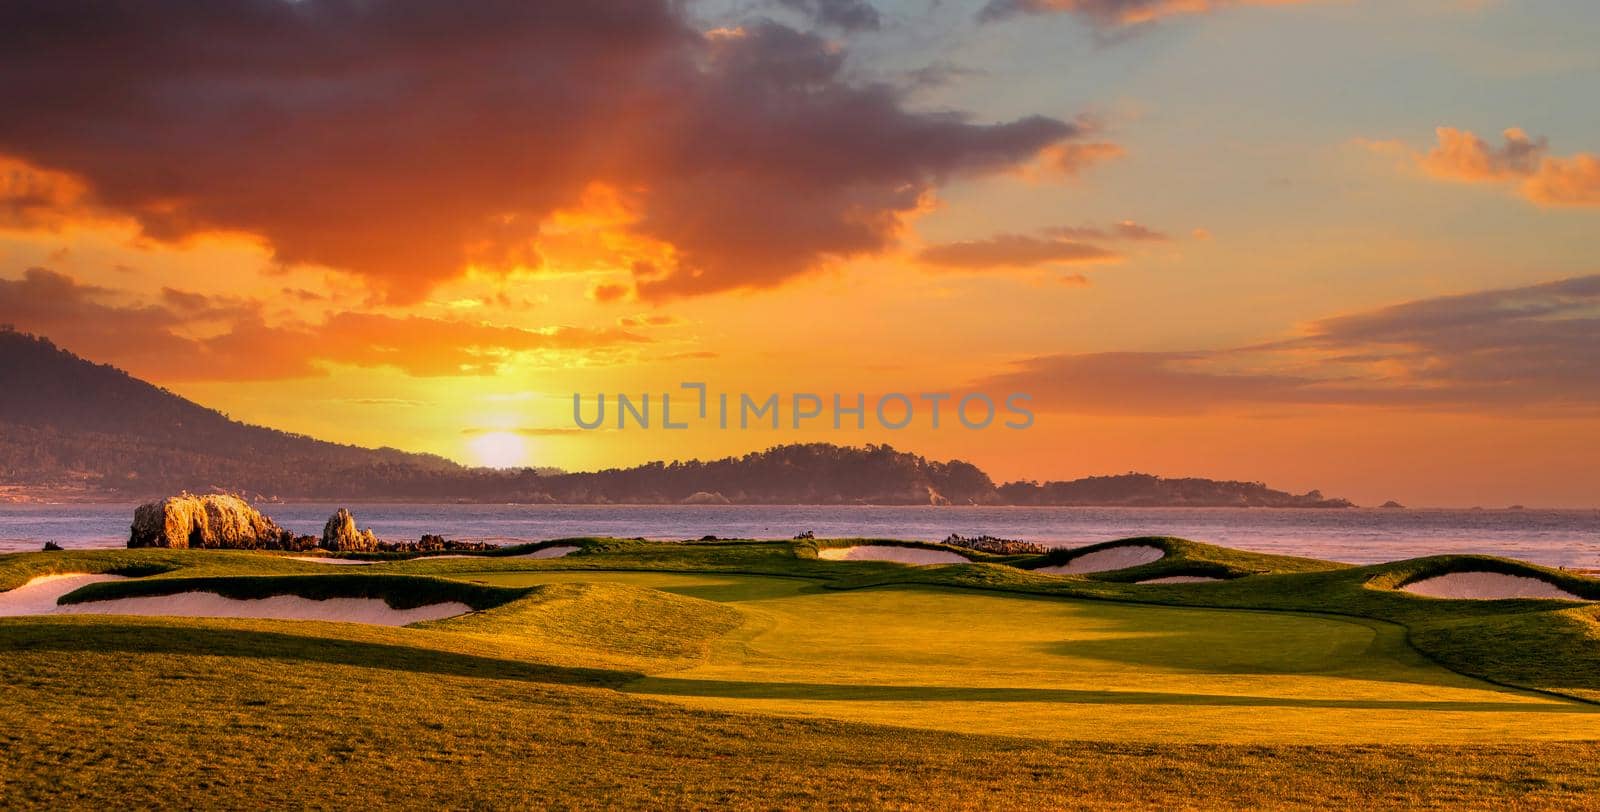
71,429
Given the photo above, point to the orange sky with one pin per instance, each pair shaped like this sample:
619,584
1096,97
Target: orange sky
434,237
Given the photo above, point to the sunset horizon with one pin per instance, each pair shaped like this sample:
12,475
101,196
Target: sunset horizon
799,404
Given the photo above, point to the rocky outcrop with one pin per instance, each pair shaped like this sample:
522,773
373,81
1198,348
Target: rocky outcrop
227,522
997,546
340,535
430,543
213,521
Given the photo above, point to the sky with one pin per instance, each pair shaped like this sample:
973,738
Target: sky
1327,244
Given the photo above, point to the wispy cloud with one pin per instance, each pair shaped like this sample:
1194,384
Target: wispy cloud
1119,13
1065,245
1529,348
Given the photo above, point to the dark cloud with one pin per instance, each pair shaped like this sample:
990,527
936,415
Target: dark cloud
845,15
1011,251
1528,348
402,139
158,340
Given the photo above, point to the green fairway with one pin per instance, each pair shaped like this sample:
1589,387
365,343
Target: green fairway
754,675
961,661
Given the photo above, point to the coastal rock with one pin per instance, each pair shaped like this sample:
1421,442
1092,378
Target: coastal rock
340,535
997,546
213,521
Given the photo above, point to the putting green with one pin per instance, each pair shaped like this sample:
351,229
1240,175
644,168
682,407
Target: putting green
967,661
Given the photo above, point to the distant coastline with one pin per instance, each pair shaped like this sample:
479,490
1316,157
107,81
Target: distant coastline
80,431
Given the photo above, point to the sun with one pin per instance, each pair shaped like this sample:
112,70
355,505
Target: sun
500,449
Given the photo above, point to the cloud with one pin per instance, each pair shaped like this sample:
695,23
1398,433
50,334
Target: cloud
1571,181
1529,348
1521,161
1012,251
1117,13
845,15
1071,159
1460,155
1124,230
606,292
163,342
404,141
1054,246
33,199
940,73
649,320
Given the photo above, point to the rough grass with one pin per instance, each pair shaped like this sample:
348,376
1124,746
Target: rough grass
119,714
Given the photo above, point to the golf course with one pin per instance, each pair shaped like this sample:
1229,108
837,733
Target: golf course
760,674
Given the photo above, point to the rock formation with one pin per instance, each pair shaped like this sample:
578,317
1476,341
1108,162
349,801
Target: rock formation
340,535
213,521
225,522
998,546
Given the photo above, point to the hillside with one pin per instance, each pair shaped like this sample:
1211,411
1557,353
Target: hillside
65,421
72,426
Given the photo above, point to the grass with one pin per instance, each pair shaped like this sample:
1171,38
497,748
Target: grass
946,659
753,674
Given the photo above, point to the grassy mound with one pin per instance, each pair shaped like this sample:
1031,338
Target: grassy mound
616,625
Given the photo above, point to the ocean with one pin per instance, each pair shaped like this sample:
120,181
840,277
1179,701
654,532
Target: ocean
1557,538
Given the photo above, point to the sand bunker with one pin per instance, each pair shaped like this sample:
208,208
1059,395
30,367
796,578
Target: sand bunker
1111,558
40,595
547,552
889,552
1487,586
1181,579
350,562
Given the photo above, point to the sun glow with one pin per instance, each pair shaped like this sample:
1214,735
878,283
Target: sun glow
500,449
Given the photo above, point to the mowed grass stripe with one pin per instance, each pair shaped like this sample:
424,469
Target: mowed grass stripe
962,660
